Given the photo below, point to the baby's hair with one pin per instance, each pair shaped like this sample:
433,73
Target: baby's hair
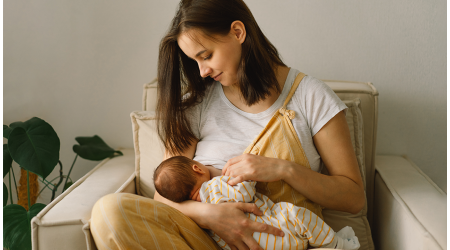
174,178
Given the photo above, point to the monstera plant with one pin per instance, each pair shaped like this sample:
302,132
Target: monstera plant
34,146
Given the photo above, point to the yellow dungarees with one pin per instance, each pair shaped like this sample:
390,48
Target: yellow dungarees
279,140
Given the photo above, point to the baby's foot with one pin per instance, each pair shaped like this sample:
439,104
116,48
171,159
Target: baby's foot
347,239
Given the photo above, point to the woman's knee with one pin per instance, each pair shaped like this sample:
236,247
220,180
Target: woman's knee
109,211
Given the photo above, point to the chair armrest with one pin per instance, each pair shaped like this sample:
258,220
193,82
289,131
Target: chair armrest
64,223
410,210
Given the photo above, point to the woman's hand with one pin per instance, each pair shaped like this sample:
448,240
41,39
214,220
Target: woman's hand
254,167
228,220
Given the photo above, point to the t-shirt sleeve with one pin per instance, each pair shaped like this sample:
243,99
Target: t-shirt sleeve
318,102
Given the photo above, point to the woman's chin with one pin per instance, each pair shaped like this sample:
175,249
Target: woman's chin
226,83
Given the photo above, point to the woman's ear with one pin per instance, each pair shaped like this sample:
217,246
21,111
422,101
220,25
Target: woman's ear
197,169
238,31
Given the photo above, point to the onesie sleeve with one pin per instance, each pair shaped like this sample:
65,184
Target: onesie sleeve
217,191
318,102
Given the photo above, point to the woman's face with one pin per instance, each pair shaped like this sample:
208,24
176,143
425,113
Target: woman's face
216,59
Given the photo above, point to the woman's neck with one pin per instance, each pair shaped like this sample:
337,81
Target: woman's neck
234,95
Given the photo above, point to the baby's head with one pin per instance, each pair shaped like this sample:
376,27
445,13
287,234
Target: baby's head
180,178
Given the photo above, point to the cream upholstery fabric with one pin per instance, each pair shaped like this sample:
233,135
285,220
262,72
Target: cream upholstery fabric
356,127
64,222
410,208
148,149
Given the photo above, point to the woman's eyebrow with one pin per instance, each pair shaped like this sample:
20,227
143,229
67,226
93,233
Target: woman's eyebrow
199,53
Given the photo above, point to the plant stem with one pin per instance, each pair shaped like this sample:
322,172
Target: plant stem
76,156
60,180
10,191
15,184
46,186
28,190
50,181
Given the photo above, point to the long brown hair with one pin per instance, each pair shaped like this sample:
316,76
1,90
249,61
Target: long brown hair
180,85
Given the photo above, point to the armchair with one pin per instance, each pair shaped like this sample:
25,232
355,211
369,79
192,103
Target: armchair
399,195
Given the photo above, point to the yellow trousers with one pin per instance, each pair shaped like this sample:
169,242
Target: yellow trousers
129,221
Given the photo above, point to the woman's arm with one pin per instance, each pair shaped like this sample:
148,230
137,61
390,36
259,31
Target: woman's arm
236,232
342,190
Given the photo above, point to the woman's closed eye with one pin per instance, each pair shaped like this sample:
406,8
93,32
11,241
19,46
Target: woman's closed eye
208,57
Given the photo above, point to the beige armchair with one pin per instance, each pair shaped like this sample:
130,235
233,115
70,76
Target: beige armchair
405,209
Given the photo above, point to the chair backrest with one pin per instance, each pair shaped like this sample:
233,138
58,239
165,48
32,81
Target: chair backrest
367,95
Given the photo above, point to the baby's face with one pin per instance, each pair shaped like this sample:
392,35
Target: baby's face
195,195
203,175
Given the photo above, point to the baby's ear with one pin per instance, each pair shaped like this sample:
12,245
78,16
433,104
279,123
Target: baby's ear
197,169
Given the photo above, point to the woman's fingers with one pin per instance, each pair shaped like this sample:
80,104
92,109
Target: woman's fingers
231,162
242,246
252,244
249,208
256,226
236,180
256,168
264,228
238,232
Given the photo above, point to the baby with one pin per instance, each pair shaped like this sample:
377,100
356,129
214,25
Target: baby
180,178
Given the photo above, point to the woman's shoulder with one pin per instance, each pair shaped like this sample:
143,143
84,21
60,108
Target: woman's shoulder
310,85
313,95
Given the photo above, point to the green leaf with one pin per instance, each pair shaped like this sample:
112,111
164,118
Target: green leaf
17,225
5,194
68,184
34,145
6,131
93,148
7,160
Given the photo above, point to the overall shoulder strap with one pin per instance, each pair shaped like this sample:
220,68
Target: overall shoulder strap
297,81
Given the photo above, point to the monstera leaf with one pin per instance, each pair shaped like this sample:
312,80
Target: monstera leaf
6,131
93,148
34,145
17,225
5,194
7,160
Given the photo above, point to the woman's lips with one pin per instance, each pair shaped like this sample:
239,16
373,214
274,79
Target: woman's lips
216,78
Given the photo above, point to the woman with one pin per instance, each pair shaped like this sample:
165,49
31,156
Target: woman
219,80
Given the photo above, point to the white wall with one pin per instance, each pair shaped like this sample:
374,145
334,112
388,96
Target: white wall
80,65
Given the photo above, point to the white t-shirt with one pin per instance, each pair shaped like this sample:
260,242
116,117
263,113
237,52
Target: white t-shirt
224,131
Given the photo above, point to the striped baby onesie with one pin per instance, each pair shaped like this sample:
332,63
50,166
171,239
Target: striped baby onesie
302,227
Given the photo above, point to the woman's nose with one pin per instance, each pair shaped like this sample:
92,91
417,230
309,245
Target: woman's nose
204,70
